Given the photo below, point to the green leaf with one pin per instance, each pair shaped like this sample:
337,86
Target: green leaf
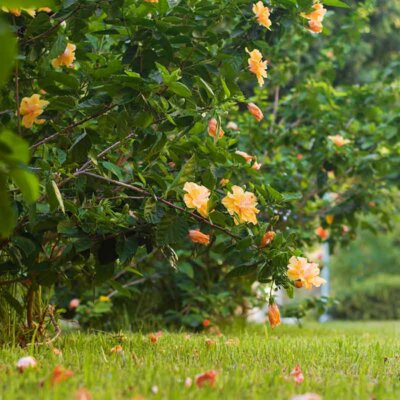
55,197
291,196
13,149
274,194
336,3
27,3
27,182
186,173
58,47
8,45
207,87
7,213
142,120
242,270
171,229
79,150
180,89
114,169
152,211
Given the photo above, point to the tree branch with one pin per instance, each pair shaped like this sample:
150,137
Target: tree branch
73,125
162,200
52,29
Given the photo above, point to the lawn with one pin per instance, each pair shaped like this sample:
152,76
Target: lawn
339,361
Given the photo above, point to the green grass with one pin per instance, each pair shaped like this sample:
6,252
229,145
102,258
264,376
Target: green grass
339,360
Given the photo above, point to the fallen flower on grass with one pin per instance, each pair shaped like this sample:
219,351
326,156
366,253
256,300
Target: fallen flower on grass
307,396
155,336
297,374
60,374
232,342
83,394
206,323
210,342
206,378
154,389
117,349
57,352
188,382
25,363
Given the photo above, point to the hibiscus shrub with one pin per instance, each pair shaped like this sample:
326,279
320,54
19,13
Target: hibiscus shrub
123,107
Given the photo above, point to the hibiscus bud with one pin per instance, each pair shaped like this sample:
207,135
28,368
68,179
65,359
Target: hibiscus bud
299,284
243,154
198,237
212,128
267,238
322,233
274,316
223,182
74,303
255,111
233,126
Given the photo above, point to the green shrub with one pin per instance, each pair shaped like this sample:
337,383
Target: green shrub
377,297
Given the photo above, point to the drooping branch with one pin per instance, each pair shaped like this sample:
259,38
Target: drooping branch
163,201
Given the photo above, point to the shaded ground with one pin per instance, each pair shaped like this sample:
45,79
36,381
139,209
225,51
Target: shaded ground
339,360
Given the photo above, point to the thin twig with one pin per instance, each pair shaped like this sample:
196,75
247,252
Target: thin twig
17,97
162,200
73,125
104,152
131,283
53,28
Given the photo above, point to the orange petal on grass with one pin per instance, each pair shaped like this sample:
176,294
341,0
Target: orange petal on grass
60,374
155,336
207,378
307,396
83,394
57,352
297,374
117,349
